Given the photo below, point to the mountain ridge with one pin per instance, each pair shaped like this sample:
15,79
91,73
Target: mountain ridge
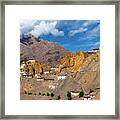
41,50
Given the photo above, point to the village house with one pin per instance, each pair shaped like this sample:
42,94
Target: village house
87,97
54,71
96,49
74,94
54,68
22,66
32,61
52,87
48,77
61,76
21,73
29,76
46,72
93,51
24,75
92,95
39,78
57,70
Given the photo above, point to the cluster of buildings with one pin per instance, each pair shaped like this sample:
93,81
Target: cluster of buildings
89,96
47,75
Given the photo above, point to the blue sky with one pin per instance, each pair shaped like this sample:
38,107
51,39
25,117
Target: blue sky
74,35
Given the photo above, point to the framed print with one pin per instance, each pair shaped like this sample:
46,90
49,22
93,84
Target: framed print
59,59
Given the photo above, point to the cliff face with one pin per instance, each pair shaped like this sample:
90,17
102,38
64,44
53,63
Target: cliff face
89,75
73,62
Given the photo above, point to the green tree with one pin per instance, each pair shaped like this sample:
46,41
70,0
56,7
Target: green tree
25,92
69,96
43,94
81,94
29,93
33,71
52,95
48,94
58,97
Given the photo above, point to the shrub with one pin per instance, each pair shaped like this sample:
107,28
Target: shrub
52,95
43,94
69,96
48,94
25,92
29,93
81,94
58,97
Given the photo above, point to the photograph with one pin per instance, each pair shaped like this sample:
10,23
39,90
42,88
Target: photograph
58,55
60,59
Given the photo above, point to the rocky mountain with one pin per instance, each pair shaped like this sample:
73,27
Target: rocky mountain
81,75
89,75
41,50
84,73
73,61
81,70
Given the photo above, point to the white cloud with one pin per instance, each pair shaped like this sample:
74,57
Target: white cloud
46,27
38,28
73,32
27,25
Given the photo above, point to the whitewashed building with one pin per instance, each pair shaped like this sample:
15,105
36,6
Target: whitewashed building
54,68
52,86
61,77
93,51
74,93
32,61
92,95
22,66
46,72
26,76
87,97
39,78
